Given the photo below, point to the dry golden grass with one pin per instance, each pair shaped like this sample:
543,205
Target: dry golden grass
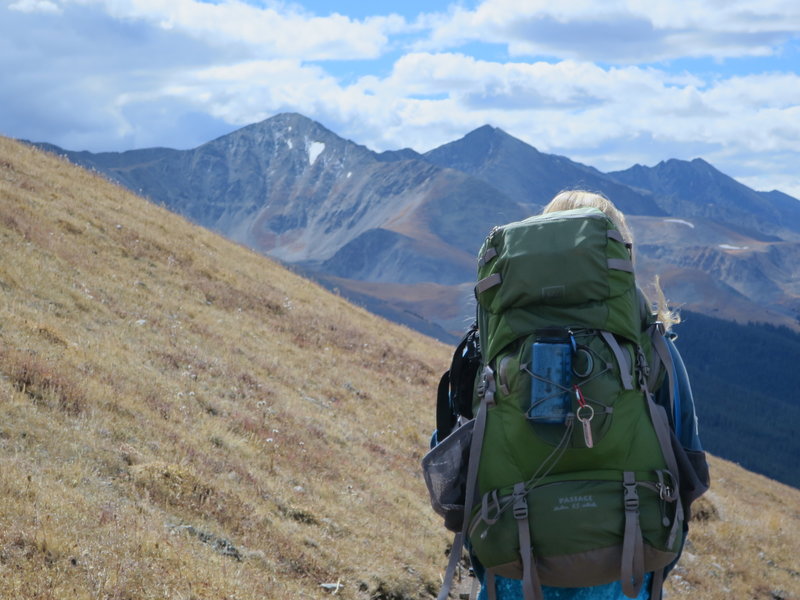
182,418
744,540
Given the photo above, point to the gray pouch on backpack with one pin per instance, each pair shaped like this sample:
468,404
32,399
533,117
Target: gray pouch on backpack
445,470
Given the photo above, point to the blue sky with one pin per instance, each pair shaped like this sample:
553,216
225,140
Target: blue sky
608,84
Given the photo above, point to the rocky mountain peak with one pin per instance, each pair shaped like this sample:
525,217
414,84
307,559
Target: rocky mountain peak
697,189
471,153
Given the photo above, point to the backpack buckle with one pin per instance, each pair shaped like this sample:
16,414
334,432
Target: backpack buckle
631,495
488,386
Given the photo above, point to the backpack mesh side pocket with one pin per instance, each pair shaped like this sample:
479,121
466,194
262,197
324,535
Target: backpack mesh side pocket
445,470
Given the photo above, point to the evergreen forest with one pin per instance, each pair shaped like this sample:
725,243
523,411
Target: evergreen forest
746,384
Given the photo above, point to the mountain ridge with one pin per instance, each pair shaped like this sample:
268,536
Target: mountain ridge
525,173
259,186
322,202
697,178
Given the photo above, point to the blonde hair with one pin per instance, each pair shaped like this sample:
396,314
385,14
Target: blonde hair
570,199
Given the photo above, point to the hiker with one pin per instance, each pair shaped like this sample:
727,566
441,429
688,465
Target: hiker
555,416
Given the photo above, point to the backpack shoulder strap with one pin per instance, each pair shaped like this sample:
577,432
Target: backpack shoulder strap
689,454
661,364
471,486
662,361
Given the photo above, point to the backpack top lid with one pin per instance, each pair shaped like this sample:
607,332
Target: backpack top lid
570,268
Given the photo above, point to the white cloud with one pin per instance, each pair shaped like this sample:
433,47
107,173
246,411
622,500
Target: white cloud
282,32
763,171
768,182
247,92
632,31
566,104
35,6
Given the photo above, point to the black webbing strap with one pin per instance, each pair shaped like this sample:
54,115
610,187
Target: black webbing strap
469,500
445,418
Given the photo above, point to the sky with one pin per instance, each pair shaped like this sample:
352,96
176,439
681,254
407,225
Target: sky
609,84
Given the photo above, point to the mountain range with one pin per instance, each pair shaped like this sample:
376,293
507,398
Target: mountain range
398,231
357,219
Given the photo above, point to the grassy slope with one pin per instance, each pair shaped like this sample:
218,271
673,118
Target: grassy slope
182,418
156,376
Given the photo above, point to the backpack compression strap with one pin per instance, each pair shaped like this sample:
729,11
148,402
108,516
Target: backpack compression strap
632,544
490,281
621,358
531,587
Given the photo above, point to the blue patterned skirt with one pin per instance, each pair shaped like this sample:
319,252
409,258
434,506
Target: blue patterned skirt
511,589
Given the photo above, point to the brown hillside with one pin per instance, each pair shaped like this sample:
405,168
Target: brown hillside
182,418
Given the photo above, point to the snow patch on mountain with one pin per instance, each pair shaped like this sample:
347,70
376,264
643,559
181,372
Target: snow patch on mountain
314,150
681,221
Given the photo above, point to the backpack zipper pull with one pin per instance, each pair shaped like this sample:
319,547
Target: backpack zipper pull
584,414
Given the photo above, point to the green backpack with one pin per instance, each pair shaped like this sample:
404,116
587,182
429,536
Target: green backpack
566,475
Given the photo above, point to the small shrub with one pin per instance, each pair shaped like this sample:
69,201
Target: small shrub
46,384
704,510
171,484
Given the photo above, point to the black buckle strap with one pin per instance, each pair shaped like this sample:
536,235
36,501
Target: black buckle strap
631,494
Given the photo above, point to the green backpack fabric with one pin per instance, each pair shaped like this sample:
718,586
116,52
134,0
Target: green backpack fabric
567,474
